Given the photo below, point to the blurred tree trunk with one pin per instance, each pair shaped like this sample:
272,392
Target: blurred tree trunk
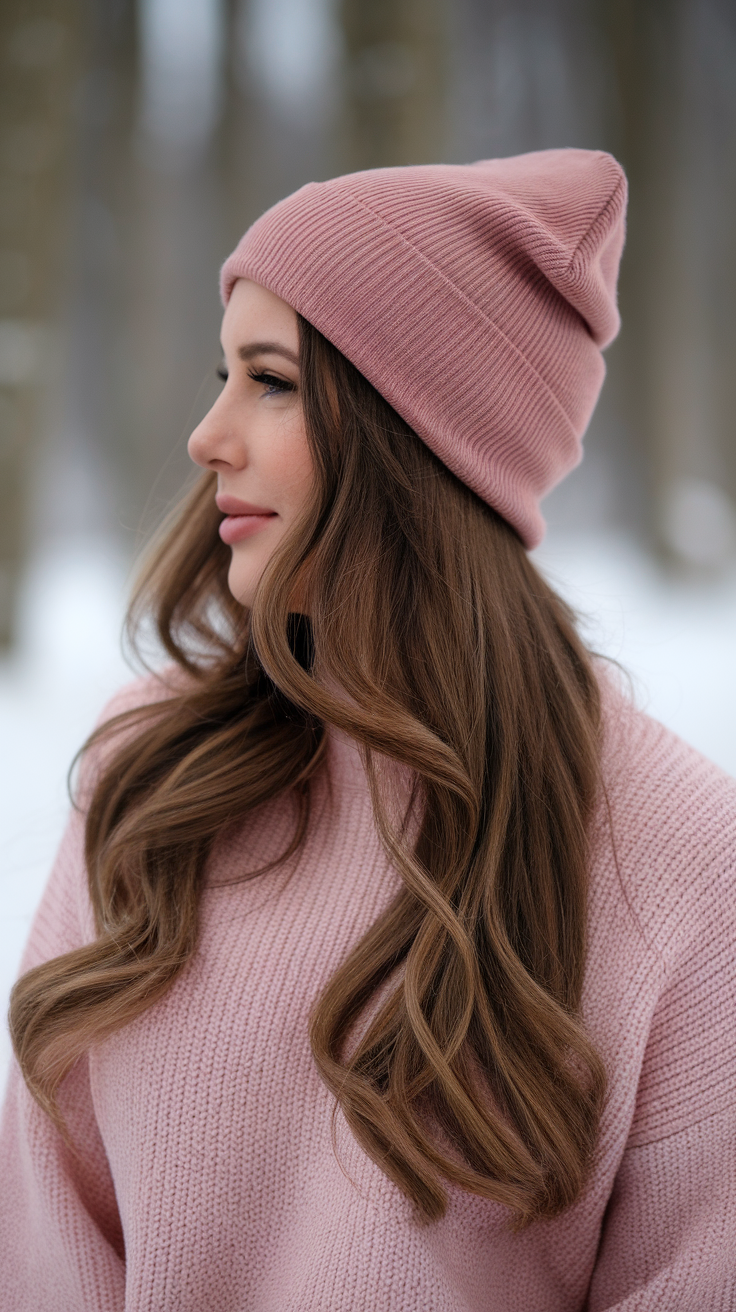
144,312
93,437
280,105
396,54
678,285
139,313
172,323
40,59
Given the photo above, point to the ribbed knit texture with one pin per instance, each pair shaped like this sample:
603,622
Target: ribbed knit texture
206,1155
475,298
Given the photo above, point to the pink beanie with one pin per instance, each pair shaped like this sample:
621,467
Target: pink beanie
475,298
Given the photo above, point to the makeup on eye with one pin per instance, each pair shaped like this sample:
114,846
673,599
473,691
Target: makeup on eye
271,382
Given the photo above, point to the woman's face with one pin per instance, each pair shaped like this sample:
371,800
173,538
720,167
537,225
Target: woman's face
254,435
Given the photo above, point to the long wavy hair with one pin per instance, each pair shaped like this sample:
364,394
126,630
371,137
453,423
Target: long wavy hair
432,641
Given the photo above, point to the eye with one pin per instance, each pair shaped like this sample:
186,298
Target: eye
221,372
273,385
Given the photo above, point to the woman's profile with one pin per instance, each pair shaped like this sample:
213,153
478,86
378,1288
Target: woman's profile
387,961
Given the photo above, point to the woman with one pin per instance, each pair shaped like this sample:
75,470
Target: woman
387,961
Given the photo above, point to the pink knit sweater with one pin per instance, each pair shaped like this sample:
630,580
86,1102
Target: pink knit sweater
207,1180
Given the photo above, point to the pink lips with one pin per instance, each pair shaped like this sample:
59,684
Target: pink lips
242,518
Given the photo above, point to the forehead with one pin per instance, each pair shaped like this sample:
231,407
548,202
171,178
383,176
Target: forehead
254,313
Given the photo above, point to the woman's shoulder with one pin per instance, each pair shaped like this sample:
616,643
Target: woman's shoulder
147,689
661,989
117,723
666,817
65,919
642,756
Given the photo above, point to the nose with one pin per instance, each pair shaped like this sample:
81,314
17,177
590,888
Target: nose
215,444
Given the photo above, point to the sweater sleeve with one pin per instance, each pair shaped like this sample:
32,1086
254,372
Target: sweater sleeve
669,1233
669,1240
60,1233
61,1237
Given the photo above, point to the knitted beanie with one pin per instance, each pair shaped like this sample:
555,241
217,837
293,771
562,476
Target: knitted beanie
475,298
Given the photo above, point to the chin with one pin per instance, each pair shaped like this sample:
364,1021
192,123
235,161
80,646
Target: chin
241,584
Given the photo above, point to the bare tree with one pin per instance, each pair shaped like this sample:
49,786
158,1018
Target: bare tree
395,82
40,58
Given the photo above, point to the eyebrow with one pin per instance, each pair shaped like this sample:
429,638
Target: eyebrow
247,353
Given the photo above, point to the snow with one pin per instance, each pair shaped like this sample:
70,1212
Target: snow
677,639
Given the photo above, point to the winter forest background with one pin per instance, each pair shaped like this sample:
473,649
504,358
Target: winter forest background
138,140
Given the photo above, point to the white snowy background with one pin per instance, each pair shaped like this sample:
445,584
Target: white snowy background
677,639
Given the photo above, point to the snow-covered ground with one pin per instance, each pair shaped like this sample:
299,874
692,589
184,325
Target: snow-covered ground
678,640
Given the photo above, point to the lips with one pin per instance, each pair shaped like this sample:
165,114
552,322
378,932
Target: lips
242,518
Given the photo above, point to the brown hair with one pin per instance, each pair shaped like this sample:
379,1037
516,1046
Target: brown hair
457,661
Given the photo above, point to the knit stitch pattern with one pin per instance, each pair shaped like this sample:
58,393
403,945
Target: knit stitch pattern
206,1178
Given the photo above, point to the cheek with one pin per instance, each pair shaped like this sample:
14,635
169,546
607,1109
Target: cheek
284,471
291,470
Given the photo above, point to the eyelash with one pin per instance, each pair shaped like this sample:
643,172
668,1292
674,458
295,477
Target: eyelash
275,385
